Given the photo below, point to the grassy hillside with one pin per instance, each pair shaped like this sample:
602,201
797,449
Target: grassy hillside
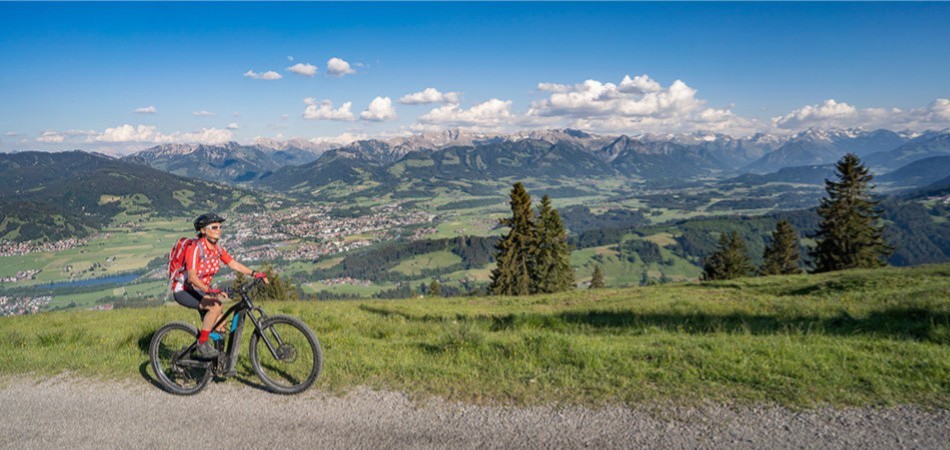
872,337
53,196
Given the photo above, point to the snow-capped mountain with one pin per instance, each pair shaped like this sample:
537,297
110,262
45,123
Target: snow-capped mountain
819,146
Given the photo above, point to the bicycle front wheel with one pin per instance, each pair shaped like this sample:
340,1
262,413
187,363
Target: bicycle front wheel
170,351
286,354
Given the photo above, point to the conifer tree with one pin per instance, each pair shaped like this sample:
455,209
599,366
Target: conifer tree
849,236
278,288
552,265
729,261
435,289
597,278
512,276
782,254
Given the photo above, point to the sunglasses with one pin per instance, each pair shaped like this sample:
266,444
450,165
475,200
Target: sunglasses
215,227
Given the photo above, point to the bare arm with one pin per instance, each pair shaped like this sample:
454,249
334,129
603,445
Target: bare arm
238,267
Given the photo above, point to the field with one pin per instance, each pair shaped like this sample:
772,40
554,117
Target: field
118,250
854,338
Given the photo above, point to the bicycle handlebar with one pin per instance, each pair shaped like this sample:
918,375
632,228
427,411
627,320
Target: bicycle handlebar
254,282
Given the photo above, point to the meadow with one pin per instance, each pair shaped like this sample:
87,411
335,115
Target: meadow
852,338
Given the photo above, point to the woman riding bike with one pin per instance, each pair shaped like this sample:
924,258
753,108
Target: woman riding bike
203,259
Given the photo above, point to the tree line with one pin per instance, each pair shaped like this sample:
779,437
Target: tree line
850,233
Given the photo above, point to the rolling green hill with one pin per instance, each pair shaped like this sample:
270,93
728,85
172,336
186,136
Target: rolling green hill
70,194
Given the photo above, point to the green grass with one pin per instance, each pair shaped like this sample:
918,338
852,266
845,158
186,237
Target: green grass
855,338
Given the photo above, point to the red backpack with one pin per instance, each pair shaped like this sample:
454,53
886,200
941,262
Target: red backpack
176,260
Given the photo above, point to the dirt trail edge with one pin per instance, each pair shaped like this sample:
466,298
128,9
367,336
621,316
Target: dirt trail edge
71,412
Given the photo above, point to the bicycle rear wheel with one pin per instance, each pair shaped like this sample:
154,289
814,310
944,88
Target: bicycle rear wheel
170,351
296,359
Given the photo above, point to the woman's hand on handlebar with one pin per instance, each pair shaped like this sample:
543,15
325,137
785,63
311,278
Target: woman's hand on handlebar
260,276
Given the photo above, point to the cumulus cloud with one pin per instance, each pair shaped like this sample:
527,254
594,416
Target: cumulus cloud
11,134
379,110
490,114
634,105
325,111
150,134
338,67
203,113
429,95
637,97
145,110
303,69
232,126
50,137
834,114
808,115
269,75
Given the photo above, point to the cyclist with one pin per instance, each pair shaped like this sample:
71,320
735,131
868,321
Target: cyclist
203,258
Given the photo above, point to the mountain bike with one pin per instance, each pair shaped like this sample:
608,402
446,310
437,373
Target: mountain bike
284,351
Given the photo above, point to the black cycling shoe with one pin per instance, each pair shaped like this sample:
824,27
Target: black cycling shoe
206,351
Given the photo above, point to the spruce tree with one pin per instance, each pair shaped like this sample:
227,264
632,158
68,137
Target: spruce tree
782,254
729,261
849,235
552,265
435,289
278,288
512,276
597,278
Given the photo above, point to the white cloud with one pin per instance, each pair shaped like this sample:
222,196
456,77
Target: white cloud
11,134
290,57
429,95
637,104
834,114
145,110
338,67
150,134
303,69
203,113
50,137
236,114
379,110
129,133
637,97
342,138
269,75
829,111
232,126
325,111
640,84
493,113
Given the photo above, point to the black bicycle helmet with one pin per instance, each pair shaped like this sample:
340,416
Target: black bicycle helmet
207,219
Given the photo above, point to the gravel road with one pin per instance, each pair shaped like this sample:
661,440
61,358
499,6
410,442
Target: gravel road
70,412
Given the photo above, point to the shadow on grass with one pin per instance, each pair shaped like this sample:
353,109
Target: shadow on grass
897,323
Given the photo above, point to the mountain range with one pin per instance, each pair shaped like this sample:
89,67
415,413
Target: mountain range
642,156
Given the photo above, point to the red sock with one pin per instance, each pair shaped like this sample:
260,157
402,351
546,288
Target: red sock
203,336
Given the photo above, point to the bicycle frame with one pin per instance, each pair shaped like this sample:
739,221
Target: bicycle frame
243,308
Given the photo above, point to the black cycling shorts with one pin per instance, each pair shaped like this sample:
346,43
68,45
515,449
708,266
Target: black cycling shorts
189,298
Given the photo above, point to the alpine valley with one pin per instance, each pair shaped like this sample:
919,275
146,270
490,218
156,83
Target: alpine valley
386,217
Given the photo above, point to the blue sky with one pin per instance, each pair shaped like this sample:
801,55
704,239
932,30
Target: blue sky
72,75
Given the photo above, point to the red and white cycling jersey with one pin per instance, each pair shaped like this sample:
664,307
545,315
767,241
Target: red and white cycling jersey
206,263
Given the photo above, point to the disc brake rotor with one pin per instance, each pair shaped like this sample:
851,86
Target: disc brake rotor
287,353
